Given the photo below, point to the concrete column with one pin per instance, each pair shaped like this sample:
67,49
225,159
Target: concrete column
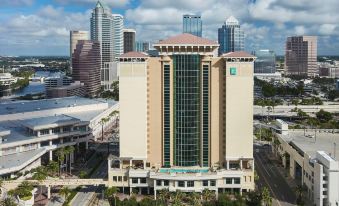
50,131
130,163
61,141
120,164
148,190
130,190
227,164
86,145
48,192
50,155
144,164
155,189
241,164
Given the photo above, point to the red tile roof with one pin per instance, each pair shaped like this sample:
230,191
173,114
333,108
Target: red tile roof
237,54
133,54
186,38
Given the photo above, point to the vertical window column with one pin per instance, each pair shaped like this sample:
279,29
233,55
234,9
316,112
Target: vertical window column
167,119
205,115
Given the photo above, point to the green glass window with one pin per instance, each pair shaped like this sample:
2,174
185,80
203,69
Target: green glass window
187,100
205,115
167,119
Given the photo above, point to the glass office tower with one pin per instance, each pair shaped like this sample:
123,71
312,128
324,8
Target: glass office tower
265,62
192,24
231,37
107,28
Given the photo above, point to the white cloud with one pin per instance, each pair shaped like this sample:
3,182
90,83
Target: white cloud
112,3
49,26
300,30
328,29
17,3
267,23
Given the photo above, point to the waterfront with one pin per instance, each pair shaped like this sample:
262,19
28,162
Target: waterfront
36,86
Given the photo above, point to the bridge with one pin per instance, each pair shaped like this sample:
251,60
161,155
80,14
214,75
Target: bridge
12,184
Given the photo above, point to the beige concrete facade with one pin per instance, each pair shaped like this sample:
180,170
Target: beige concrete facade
133,110
151,131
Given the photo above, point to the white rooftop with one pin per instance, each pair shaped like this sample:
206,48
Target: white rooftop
310,145
49,122
15,162
232,21
14,107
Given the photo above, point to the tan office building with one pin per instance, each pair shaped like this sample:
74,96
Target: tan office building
185,119
301,56
86,66
75,36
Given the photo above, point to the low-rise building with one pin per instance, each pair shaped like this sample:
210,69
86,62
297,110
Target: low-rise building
6,79
32,130
57,81
311,159
74,89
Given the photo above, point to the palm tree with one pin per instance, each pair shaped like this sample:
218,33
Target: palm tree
207,195
333,125
24,190
177,198
300,195
60,153
103,121
164,196
269,109
1,182
266,197
195,198
65,191
68,151
115,114
8,201
40,175
52,168
110,193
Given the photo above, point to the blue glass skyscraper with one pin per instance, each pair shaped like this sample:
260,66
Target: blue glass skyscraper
231,37
192,24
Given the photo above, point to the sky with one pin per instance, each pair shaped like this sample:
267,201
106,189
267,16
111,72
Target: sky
41,27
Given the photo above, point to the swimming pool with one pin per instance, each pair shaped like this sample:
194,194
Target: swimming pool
178,170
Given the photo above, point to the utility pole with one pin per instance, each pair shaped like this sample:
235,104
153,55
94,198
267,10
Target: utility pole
334,149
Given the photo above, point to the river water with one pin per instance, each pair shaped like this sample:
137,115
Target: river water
34,87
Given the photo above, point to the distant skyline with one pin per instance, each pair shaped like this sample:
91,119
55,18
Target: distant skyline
41,27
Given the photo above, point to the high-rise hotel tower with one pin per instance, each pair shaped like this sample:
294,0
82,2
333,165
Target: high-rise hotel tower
186,119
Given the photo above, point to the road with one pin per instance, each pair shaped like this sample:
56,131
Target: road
270,177
85,195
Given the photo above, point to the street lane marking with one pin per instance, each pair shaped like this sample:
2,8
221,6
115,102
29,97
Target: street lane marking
263,166
269,185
